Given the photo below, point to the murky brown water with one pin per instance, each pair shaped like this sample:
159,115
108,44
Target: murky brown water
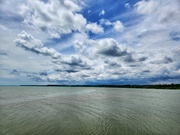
88,111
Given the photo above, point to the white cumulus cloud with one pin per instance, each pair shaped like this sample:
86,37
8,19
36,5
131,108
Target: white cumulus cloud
118,26
94,28
28,42
56,17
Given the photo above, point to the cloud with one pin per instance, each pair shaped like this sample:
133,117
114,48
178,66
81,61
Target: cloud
176,58
110,60
2,27
146,7
57,17
15,72
79,46
127,5
129,59
139,45
71,64
74,61
3,53
112,64
94,28
117,25
110,47
106,22
175,36
167,60
148,30
161,10
102,13
28,42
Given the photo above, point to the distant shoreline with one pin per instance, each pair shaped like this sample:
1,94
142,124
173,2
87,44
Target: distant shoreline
158,86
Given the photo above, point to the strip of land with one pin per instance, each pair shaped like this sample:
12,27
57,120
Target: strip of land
158,86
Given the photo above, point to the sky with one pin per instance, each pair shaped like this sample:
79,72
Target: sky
89,42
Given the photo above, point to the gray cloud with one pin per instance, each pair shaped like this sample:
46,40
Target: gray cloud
176,58
71,71
164,60
28,42
110,47
142,58
146,71
112,64
71,64
175,36
74,61
43,73
15,72
3,53
66,69
129,59
167,60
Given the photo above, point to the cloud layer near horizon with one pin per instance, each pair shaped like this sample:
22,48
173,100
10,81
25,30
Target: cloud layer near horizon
76,42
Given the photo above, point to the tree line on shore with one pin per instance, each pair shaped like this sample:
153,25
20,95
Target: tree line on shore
153,86
156,86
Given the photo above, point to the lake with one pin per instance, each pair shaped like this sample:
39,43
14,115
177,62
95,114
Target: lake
88,111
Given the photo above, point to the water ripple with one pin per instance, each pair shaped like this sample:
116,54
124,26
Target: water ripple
86,111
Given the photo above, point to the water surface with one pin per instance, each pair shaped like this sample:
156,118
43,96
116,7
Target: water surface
88,111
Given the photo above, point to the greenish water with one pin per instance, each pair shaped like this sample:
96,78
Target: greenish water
88,111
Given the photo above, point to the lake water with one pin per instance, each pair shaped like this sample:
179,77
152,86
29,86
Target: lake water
88,111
